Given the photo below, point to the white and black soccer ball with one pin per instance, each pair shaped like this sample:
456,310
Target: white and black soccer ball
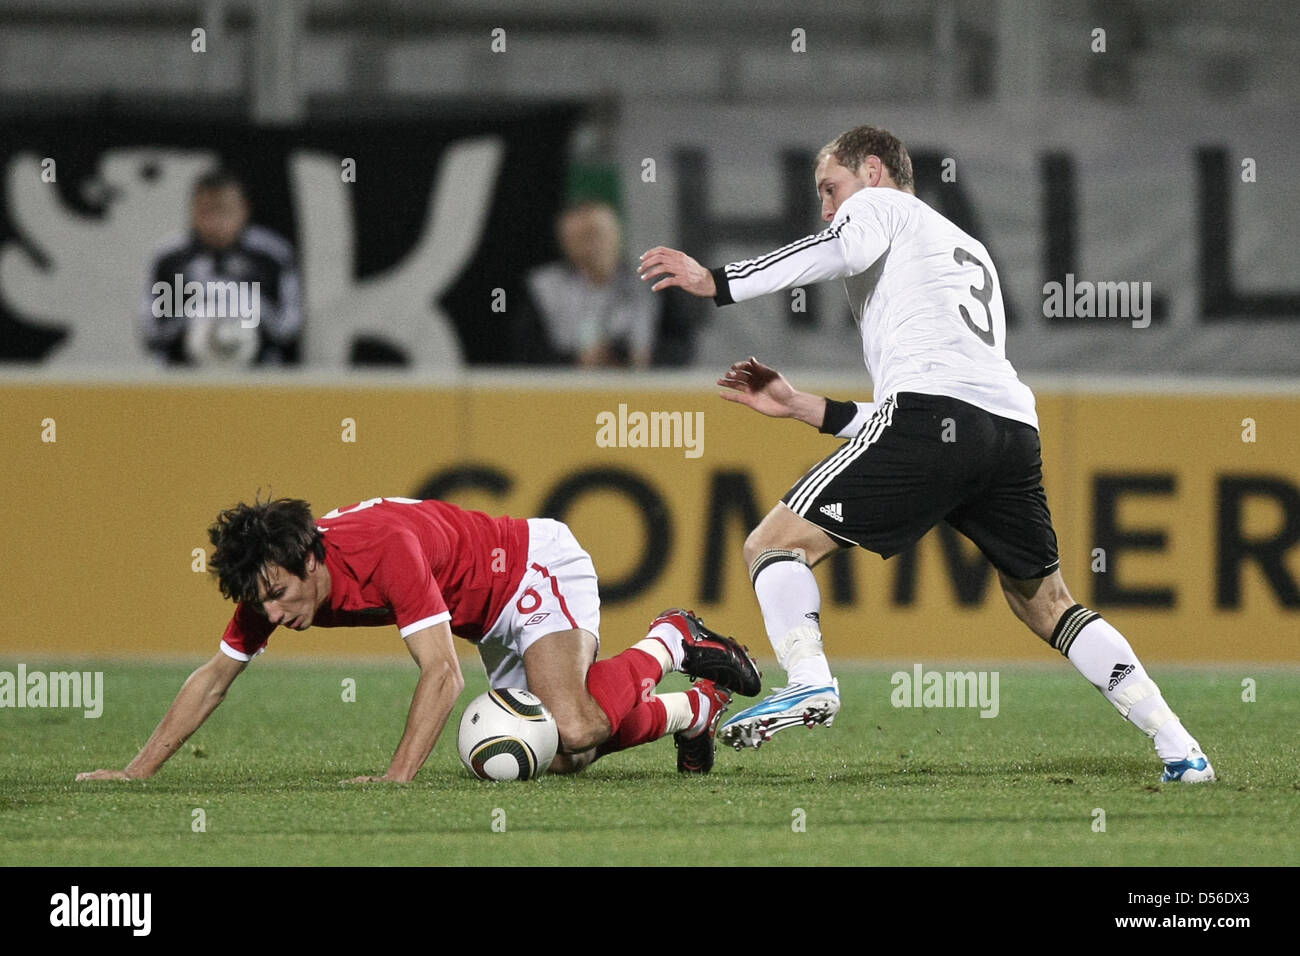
507,734
221,342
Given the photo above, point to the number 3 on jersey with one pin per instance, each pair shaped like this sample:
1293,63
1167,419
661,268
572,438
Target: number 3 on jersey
983,295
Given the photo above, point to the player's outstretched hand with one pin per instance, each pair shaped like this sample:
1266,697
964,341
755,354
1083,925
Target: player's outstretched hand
679,270
759,386
104,775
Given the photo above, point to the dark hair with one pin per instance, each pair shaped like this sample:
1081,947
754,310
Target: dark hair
247,538
218,179
852,147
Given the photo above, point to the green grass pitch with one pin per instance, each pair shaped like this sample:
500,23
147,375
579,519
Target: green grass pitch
884,786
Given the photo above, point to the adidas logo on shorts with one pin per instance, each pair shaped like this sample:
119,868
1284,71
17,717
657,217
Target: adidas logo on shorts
835,511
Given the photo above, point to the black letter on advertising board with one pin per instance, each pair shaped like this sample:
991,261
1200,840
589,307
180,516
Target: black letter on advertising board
657,526
1235,549
1107,490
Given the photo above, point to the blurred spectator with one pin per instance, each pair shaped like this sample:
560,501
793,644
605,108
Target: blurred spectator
593,310
227,292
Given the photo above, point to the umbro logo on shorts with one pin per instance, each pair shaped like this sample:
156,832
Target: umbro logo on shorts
835,511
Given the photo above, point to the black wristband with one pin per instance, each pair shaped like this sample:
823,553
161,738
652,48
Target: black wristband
838,416
723,295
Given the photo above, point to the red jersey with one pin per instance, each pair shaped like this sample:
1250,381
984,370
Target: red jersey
406,562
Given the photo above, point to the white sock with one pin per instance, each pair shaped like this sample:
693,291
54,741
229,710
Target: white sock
791,604
678,707
1104,657
655,648
666,637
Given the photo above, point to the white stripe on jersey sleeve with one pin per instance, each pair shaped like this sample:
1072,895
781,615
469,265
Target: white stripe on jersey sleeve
857,238
421,624
240,655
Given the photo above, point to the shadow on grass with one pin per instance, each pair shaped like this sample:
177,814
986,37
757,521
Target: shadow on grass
654,828
888,772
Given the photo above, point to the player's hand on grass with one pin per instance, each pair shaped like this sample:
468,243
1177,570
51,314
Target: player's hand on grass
679,270
104,775
383,779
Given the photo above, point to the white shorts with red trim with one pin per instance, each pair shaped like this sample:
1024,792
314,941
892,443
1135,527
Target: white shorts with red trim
558,592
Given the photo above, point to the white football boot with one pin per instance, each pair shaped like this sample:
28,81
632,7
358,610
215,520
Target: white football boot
1194,768
799,705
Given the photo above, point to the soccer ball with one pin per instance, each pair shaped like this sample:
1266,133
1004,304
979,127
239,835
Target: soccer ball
507,734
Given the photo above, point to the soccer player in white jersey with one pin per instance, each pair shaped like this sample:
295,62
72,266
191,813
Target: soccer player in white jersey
926,298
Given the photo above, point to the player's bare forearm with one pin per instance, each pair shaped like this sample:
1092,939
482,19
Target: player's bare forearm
678,270
809,409
766,390
435,695
198,697
441,683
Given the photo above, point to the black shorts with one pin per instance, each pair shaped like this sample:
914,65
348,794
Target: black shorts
922,459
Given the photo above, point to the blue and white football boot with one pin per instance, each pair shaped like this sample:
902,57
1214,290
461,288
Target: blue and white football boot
799,705
1194,768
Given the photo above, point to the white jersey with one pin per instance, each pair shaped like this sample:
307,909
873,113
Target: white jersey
925,296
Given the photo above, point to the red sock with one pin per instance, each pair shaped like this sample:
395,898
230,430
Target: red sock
645,722
620,684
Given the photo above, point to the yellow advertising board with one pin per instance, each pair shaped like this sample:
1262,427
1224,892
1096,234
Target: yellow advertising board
1178,515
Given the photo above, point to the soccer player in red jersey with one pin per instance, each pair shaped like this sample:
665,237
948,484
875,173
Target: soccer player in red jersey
524,591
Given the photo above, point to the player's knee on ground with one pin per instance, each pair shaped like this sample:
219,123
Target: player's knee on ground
581,727
572,763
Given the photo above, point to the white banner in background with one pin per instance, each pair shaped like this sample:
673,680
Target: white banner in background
1139,179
